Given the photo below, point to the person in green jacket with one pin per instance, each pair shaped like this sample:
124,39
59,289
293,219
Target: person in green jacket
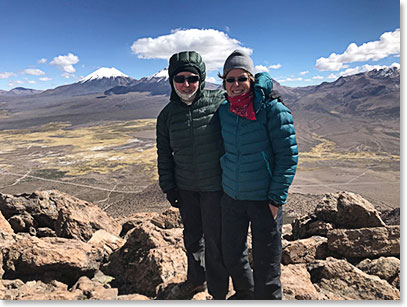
189,146
258,166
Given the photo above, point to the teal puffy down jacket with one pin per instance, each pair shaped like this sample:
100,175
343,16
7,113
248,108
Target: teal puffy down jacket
261,156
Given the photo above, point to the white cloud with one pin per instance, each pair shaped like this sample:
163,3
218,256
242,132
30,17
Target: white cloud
32,82
6,75
42,61
277,66
211,79
389,44
317,77
214,46
67,75
304,73
332,76
65,62
33,72
261,68
45,79
290,79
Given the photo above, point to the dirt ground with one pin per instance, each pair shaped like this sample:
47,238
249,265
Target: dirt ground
114,166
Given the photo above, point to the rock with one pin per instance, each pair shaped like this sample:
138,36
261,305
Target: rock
391,217
308,226
31,258
94,290
287,232
348,210
170,218
38,290
132,297
339,278
5,226
106,243
296,283
305,250
22,222
365,242
151,256
45,232
67,216
387,268
132,221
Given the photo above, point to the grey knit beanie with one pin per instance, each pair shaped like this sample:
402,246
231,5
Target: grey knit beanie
238,59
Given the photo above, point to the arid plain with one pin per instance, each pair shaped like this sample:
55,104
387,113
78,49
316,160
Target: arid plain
113,163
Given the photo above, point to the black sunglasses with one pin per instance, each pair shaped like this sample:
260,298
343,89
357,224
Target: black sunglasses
190,79
233,80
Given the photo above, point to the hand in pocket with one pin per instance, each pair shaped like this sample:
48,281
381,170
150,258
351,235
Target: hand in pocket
274,211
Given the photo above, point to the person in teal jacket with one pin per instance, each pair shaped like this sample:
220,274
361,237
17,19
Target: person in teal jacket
258,167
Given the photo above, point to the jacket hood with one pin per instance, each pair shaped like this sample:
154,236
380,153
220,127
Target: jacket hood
182,60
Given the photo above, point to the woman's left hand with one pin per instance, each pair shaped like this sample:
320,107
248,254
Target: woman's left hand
274,211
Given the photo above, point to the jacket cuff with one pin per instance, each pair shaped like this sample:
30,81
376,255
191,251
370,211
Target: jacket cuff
275,204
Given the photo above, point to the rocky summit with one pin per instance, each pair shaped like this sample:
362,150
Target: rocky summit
56,247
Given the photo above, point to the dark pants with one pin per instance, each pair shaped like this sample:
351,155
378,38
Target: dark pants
201,216
264,280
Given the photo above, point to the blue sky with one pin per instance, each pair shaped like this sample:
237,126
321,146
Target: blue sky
48,43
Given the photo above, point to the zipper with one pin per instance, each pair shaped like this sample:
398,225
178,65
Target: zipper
190,124
238,155
267,162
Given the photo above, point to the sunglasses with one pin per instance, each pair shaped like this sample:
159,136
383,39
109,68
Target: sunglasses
233,80
190,79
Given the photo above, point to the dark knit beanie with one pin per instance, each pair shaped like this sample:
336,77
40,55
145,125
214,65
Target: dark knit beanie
238,59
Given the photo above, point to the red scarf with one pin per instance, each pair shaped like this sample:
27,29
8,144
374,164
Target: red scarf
242,105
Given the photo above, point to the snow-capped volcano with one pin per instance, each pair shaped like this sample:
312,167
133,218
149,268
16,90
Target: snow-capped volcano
161,74
104,72
97,82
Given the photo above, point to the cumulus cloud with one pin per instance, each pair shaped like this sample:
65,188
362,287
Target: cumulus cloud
317,77
211,80
33,72
6,75
214,46
389,44
290,79
277,66
42,61
332,76
45,79
304,73
65,62
261,68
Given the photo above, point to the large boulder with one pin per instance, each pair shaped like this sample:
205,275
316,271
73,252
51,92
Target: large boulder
296,283
31,258
348,210
151,256
66,216
339,278
387,268
365,242
304,250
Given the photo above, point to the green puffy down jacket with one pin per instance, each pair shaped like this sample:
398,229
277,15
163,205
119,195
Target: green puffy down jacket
189,142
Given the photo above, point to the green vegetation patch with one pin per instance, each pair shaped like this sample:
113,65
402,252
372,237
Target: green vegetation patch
49,173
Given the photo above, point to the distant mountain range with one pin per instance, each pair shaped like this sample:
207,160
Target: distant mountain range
374,94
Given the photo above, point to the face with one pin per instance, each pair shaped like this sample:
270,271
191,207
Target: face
187,87
236,87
